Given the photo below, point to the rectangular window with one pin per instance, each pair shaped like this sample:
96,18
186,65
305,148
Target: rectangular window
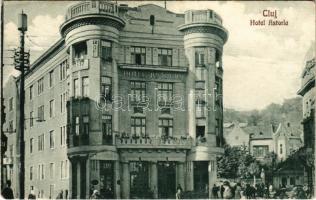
11,104
138,91
166,127
63,69
138,126
199,58
61,103
76,87
138,55
165,92
31,145
85,86
41,142
31,92
107,129
165,57
51,78
41,113
11,126
106,88
43,172
51,170
52,139
63,136
200,110
260,150
66,169
77,125
31,119
51,108
80,50
31,173
86,125
106,50
40,85
62,170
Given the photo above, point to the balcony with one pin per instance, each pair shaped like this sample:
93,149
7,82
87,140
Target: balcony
80,64
198,16
153,142
159,68
8,161
92,13
92,7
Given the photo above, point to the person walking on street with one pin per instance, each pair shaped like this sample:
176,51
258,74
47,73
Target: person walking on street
7,192
248,191
238,191
222,190
95,195
179,192
32,195
227,191
215,191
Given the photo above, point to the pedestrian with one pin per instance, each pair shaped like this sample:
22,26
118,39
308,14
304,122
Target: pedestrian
32,195
95,195
248,191
179,192
222,190
7,192
238,191
253,192
227,191
60,195
215,191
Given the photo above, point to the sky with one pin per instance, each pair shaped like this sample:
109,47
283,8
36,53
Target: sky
262,64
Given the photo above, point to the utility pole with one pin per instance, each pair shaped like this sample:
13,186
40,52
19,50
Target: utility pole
1,104
21,60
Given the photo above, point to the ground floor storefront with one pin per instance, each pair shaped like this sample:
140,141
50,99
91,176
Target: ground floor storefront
147,175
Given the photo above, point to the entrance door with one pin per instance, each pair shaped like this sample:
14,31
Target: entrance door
139,180
166,180
106,179
201,176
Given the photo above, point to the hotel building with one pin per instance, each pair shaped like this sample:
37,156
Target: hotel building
128,102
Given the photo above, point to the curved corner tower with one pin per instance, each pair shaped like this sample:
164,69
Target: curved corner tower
204,38
91,32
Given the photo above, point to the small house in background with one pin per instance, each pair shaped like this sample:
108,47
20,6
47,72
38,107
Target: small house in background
283,140
235,135
290,172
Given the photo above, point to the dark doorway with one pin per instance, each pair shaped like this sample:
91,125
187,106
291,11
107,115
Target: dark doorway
139,177
166,180
200,176
106,179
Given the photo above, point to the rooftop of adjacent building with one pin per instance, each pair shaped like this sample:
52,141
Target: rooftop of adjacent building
264,131
308,73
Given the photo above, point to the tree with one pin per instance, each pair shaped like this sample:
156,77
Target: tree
254,170
234,163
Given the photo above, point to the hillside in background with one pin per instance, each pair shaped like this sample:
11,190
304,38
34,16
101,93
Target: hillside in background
290,111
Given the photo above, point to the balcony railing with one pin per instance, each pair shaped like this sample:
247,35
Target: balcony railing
153,142
201,16
80,63
92,7
8,161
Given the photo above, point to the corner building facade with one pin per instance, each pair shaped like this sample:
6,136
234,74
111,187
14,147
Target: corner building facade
142,91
